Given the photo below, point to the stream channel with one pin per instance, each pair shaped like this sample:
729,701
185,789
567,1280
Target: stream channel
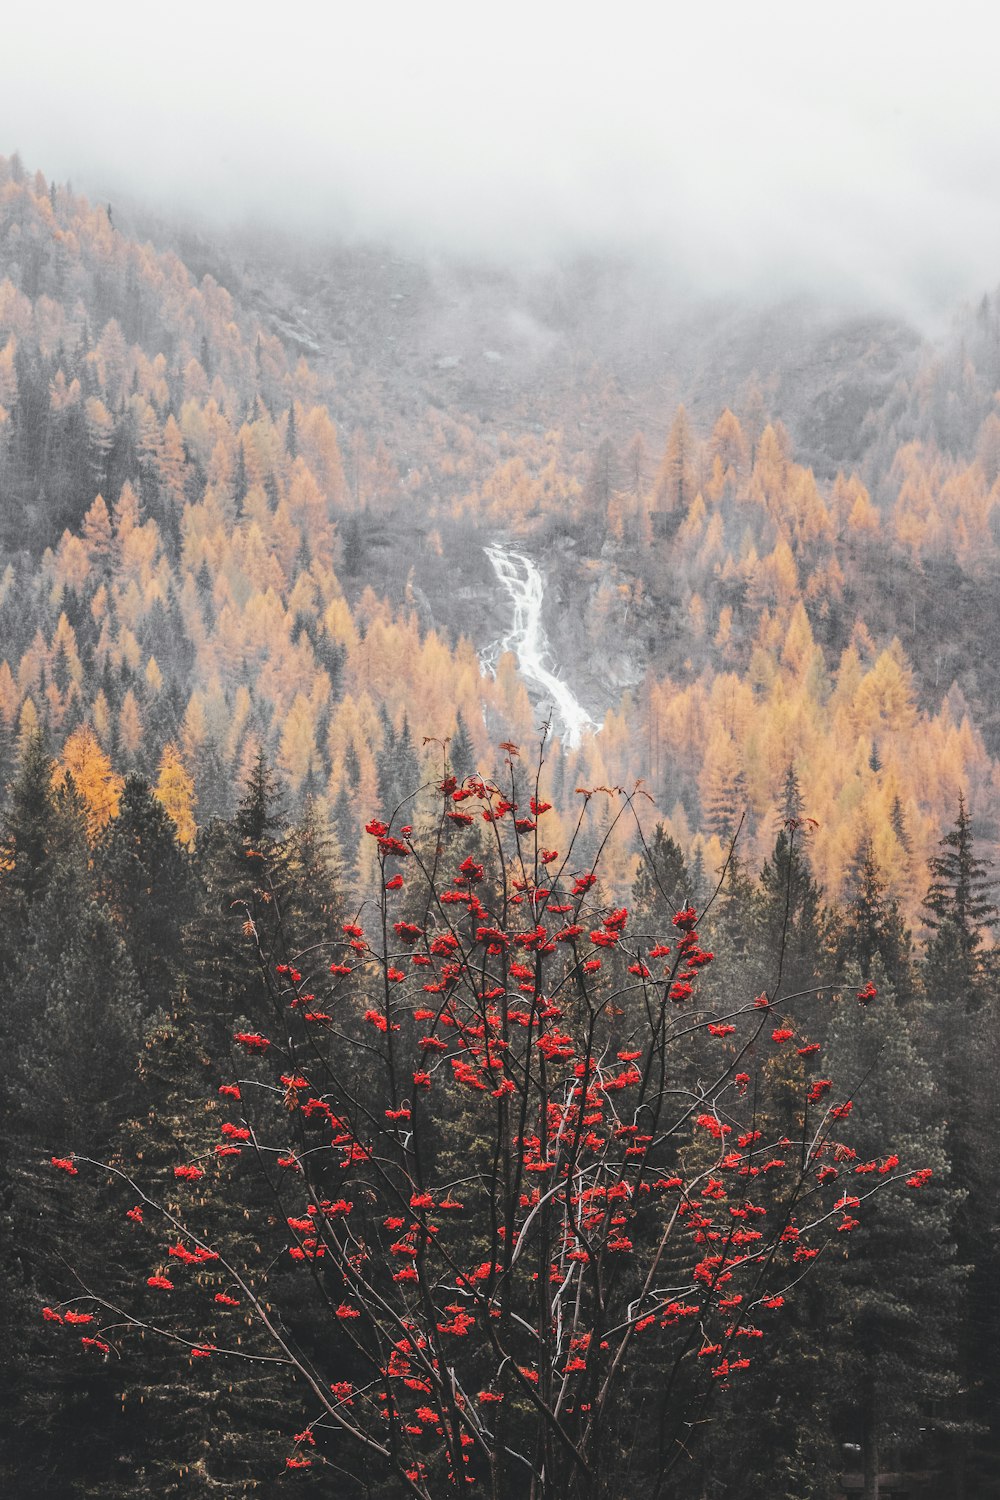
527,639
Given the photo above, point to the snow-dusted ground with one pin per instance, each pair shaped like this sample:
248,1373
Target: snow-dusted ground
527,639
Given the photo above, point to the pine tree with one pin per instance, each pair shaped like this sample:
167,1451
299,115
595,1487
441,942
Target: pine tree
958,908
792,804
788,919
190,1427
871,927
72,1022
892,1352
963,1022
69,1032
258,816
662,885
737,974
397,766
146,879
312,907
239,933
779,1423
345,828
898,820
461,755
26,849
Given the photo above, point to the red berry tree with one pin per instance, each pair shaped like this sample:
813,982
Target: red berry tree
516,1210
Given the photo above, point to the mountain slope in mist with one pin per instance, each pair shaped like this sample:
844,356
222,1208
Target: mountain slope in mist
248,510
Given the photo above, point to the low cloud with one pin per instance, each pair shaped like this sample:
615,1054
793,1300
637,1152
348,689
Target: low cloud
777,147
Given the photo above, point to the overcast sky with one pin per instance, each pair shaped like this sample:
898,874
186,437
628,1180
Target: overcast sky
778,144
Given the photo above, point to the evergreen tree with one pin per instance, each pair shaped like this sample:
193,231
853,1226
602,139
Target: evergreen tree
871,927
699,890
345,827
662,885
777,1430
146,879
898,820
962,1023
792,804
312,908
74,1015
958,908
396,764
26,851
258,816
69,1031
238,933
737,973
461,756
209,1434
240,485
787,919
732,912
892,1345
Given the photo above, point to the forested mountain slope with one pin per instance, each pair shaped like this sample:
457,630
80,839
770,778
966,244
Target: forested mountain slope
252,516
245,489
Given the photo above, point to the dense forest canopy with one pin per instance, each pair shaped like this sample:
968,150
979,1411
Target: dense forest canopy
214,546
244,609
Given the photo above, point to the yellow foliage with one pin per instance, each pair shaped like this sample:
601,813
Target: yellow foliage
72,562
175,791
97,533
97,783
10,698
130,727
863,517
799,643
297,748
8,374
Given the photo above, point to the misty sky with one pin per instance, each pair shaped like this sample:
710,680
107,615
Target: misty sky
771,144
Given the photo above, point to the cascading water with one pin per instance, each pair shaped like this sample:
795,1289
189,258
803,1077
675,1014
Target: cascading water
527,640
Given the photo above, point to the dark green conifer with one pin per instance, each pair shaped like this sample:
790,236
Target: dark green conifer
662,885
26,851
397,766
461,756
871,927
963,1025
788,913
891,1346
147,881
959,907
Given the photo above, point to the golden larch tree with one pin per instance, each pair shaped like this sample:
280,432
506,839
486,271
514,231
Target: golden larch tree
94,777
174,790
676,479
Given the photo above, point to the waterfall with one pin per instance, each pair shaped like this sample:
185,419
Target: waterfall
527,639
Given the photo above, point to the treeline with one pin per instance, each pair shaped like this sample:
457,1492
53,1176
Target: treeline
128,962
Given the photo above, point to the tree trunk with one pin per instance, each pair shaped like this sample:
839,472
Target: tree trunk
869,1441
959,1448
